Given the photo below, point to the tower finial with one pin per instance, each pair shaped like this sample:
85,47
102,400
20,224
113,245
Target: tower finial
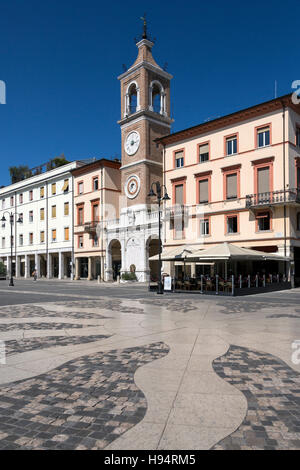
143,18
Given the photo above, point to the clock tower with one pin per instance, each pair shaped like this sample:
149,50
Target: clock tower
145,116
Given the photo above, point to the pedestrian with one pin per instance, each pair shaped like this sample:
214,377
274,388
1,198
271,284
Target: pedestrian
34,275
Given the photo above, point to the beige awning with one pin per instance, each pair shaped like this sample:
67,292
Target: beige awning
174,253
228,251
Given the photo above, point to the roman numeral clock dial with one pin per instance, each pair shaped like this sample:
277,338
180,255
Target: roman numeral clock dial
132,143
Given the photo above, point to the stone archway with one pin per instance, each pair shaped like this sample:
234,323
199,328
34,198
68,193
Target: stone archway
113,260
152,247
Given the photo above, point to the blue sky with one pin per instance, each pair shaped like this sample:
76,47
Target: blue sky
60,61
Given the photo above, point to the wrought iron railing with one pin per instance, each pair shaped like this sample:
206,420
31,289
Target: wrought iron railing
90,227
273,197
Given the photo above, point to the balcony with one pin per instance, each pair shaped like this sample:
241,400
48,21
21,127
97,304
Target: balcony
282,197
90,227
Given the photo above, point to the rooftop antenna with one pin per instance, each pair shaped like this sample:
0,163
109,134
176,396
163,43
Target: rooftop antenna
275,88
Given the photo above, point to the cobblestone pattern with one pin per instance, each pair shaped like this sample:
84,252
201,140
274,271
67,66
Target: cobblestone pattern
83,404
41,326
31,311
272,390
183,306
283,315
30,344
114,305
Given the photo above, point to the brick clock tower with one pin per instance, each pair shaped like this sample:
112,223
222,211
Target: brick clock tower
145,116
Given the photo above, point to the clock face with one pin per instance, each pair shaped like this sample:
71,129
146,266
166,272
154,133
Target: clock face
132,143
132,186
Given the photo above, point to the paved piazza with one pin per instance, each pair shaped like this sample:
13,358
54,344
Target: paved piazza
117,368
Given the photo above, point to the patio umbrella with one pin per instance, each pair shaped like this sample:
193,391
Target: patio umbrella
176,253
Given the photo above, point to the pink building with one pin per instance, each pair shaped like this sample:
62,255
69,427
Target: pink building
96,199
236,179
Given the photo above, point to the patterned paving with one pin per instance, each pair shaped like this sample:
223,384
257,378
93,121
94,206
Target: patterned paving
41,326
84,404
31,311
30,344
272,390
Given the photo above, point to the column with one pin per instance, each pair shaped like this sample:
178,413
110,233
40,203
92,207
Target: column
77,276
90,274
49,266
18,266
37,262
108,268
61,265
27,265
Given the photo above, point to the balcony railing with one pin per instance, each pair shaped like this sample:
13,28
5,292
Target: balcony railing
90,227
283,196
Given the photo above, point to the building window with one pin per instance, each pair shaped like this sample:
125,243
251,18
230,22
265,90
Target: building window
42,237
203,191
80,241
179,199
31,238
42,192
21,217
231,186
67,234
21,240
3,203
80,187
263,137
263,180
298,136
66,208
53,212
21,198
231,145
203,153
96,183
95,212
80,218
42,214
96,240
11,201
66,186
263,221
179,159
30,216
31,195
53,189
232,224
204,227
3,242
54,235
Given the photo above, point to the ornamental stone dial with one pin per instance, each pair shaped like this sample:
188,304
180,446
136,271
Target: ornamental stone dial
132,143
132,186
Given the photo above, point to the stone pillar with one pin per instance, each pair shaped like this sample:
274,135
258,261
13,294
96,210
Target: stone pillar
18,266
27,265
108,270
49,266
77,276
61,265
90,274
37,262
193,270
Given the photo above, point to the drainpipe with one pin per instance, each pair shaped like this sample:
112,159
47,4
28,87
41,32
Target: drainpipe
284,183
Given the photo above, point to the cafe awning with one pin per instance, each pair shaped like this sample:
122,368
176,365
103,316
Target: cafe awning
174,253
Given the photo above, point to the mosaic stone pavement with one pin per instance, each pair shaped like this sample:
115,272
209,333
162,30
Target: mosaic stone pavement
272,390
31,311
41,326
31,344
84,404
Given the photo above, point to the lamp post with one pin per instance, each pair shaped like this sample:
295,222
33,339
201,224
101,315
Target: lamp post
160,198
11,221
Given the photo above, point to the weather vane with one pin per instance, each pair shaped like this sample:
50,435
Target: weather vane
143,18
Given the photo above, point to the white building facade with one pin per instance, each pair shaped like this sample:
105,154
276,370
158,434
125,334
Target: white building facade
44,240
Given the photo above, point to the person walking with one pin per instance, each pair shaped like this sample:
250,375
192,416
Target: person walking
34,274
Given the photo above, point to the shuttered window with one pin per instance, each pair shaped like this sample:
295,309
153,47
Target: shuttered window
42,192
203,153
54,235
95,212
179,194
67,234
263,180
66,186
203,191
42,214
231,186
66,208
53,188
42,237
179,161
53,212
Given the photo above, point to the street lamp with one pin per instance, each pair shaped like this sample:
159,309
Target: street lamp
160,198
11,221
